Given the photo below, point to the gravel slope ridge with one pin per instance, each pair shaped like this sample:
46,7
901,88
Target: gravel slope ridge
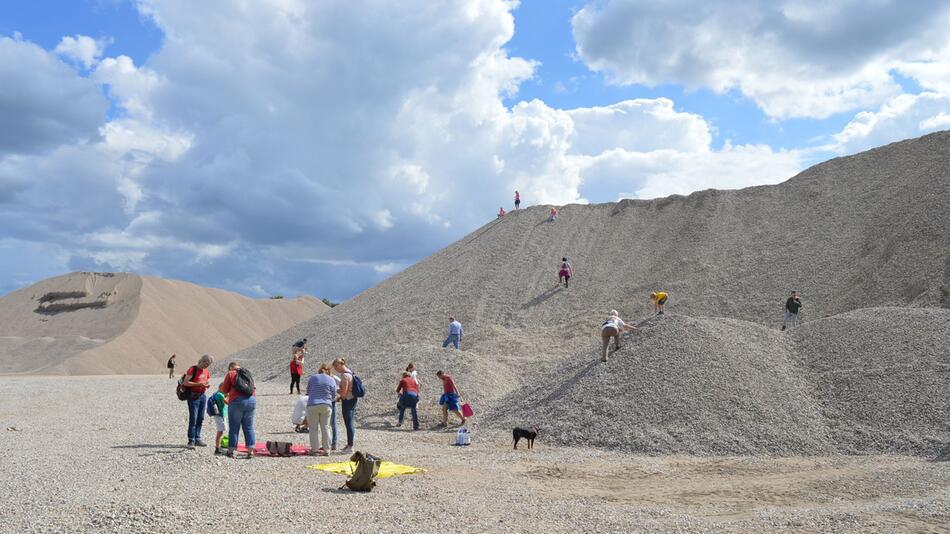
868,230
874,380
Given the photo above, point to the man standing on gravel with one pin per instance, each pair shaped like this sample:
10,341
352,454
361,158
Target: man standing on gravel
792,305
450,399
455,334
611,328
171,367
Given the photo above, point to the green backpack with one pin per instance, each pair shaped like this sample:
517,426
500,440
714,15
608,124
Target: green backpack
367,467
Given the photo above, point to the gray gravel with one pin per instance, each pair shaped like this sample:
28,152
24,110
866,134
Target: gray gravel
866,231
874,380
106,454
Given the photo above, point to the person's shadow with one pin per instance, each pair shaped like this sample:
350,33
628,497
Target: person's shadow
541,298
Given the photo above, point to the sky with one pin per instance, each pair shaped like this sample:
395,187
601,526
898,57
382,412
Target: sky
288,147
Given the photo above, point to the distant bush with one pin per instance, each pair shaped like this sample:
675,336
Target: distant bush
329,303
275,297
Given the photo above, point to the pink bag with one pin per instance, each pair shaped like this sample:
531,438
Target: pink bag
467,410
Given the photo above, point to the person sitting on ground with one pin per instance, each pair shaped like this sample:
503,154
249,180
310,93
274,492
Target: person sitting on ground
321,393
659,299
241,410
196,383
553,216
517,199
455,334
792,305
408,391
299,416
564,275
449,401
171,367
501,212
218,409
347,400
611,328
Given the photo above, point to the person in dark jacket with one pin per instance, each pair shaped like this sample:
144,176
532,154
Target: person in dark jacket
792,305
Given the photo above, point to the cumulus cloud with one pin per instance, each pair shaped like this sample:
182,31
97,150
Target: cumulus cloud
274,146
800,58
900,118
82,49
44,103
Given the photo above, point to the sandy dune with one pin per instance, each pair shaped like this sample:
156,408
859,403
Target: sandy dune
120,323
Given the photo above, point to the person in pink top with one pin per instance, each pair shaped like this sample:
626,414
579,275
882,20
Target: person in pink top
501,212
517,199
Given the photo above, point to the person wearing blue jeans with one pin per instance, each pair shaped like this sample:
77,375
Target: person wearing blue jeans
241,418
241,408
348,400
455,334
333,427
195,382
196,417
408,391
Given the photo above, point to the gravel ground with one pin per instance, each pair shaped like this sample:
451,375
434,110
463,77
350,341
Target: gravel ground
874,380
106,454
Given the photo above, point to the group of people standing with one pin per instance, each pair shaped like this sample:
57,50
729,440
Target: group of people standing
234,401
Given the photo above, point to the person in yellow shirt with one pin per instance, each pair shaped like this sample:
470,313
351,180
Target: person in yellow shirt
659,299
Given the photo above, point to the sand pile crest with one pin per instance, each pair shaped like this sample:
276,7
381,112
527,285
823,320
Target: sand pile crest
121,323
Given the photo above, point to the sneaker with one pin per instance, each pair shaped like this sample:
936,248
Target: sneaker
783,328
199,443
218,451
230,453
322,452
191,444
347,448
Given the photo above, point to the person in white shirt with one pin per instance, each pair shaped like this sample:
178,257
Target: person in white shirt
299,417
455,334
611,328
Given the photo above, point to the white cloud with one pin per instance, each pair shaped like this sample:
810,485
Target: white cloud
321,143
797,58
81,48
43,103
900,118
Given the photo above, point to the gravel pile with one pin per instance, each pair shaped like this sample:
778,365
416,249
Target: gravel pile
868,381
865,231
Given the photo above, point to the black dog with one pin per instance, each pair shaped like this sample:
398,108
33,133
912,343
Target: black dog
519,433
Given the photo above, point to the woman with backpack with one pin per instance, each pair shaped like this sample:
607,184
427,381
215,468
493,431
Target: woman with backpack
238,385
195,382
566,272
348,397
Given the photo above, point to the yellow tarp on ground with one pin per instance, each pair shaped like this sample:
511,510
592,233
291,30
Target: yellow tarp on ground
386,469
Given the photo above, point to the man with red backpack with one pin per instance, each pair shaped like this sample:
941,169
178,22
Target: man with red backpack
195,382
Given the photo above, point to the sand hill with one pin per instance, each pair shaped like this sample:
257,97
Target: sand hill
120,323
865,231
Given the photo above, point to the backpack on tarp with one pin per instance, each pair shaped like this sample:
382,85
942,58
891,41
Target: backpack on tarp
279,448
244,382
364,476
358,389
182,391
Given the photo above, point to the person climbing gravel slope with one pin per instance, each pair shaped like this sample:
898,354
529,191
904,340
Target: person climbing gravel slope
455,334
566,272
792,305
612,328
658,298
449,401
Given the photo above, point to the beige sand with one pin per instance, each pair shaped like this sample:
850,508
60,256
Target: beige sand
105,323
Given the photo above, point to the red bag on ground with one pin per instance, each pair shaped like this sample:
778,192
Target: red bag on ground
467,410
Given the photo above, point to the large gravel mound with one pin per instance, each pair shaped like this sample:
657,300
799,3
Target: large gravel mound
864,231
868,381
